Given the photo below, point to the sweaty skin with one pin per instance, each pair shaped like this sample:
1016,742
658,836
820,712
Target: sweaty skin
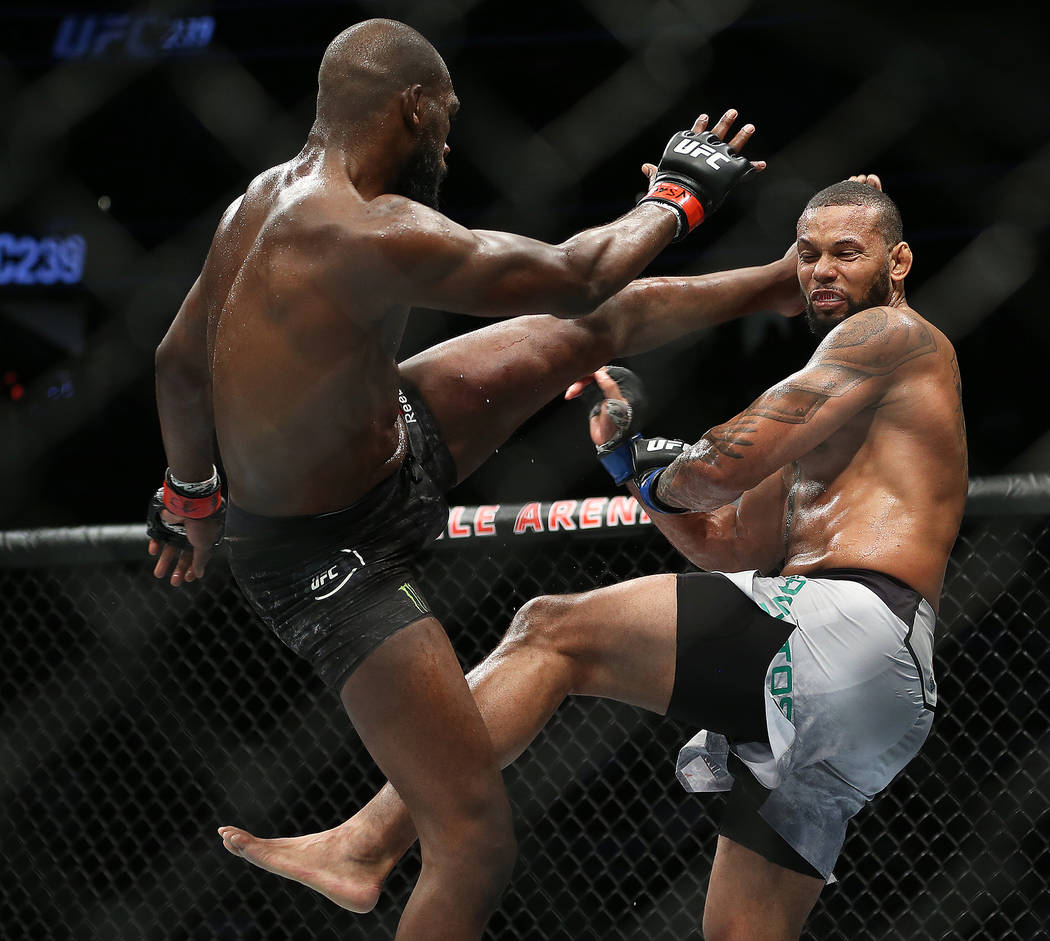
856,461
308,289
303,301
288,339
285,351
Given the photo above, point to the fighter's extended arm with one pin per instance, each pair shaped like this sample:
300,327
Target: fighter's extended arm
429,261
495,274
852,369
652,311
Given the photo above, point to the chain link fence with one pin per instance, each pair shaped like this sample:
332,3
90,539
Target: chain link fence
137,719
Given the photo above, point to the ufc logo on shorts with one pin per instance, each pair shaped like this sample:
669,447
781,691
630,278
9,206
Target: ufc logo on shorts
693,148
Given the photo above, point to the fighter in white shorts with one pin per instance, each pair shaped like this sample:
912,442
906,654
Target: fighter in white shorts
847,701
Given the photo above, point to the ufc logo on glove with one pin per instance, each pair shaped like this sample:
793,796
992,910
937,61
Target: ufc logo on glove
694,148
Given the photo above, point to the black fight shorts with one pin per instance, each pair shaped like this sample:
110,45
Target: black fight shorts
725,644
333,587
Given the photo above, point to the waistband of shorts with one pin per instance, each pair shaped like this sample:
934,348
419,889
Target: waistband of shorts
896,594
240,522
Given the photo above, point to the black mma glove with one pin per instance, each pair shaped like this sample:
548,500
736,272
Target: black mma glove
627,413
189,501
651,457
695,175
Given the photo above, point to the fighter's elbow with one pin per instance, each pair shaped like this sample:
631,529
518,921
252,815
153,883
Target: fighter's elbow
577,298
178,369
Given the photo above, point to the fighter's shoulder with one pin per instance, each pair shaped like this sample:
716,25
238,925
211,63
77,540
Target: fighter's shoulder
880,339
400,217
413,237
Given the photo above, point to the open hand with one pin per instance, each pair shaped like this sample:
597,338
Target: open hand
186,565
720,130
603,426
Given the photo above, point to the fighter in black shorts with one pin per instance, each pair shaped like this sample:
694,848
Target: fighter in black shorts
285,351
334,586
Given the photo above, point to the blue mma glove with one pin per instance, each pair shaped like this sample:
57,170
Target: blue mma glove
627,413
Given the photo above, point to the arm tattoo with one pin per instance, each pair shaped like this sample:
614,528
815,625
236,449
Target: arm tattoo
863,347
866,346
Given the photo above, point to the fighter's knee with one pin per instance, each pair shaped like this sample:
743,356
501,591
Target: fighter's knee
488,845
546,621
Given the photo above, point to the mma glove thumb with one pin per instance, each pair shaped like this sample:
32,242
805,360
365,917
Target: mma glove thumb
627,455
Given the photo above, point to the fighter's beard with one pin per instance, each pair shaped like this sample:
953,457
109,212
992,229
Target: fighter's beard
422,176
878,293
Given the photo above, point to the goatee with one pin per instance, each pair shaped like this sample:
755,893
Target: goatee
878,293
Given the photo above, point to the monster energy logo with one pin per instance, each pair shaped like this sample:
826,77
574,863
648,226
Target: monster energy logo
410,594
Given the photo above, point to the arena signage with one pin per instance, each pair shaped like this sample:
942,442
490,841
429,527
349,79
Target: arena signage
26,259
141,36
523,519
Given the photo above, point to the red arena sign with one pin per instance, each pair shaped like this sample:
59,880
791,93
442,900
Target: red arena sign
592,513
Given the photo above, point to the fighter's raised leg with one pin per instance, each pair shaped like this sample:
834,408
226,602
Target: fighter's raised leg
617,643
483,385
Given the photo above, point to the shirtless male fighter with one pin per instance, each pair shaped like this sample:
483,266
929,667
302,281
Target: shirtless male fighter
849,479
337,459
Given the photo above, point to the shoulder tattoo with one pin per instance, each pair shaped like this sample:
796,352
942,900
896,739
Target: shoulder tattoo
865,346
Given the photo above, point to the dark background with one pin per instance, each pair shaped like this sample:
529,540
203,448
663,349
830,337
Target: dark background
135,719
139,149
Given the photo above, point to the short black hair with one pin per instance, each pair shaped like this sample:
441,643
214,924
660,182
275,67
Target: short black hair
851,193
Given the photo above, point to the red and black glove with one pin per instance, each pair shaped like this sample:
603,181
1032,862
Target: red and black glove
695,175
186,502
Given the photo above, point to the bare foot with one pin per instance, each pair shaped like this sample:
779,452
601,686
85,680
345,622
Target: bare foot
321,861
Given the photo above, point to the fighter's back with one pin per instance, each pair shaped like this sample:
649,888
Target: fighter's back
886,490
302,345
